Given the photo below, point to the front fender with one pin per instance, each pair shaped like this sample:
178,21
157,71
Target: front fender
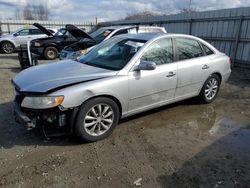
76,95
7,40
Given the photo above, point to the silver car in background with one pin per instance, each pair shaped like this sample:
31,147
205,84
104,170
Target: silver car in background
122,76
11,42
83,46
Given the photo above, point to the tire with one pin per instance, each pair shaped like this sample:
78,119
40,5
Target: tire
210,89
50,53
90,126
7,47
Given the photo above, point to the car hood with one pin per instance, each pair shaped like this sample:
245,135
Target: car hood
43,29
44,78
76,32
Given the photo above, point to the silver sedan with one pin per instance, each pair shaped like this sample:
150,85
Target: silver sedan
122,76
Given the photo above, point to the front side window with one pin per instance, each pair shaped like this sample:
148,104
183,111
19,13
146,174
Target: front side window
23,32
160,52
113,54
188,48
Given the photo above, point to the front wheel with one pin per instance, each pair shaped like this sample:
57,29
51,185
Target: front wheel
96,119
50,53
210,89
8,47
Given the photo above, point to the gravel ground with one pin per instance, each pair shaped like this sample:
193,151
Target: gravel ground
181,145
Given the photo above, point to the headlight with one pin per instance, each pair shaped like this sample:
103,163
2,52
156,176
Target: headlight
42,102
37,44
74,55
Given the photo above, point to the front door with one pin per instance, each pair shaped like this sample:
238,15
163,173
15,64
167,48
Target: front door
149,88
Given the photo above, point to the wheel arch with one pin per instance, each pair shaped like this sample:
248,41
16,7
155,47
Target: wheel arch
116,100
214,73
1,42
50,45
219,75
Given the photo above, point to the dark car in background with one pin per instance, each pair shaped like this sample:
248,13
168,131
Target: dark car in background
81,47
50,47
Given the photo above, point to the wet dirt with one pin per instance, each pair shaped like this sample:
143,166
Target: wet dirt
186,144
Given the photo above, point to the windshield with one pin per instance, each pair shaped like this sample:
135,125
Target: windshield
113,54
60,32
100,34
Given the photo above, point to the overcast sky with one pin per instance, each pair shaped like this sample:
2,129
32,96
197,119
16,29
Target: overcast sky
104,10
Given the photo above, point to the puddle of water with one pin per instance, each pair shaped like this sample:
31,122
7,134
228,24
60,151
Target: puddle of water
224,126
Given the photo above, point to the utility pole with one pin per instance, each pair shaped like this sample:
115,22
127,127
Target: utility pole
190,2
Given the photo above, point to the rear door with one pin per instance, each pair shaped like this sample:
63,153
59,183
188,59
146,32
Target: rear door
148,88
22,37
193,67
36,33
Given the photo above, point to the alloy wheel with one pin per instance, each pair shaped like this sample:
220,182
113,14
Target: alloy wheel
98,119
211,88
7,47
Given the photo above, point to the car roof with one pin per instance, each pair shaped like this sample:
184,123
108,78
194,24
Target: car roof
149,36
128,26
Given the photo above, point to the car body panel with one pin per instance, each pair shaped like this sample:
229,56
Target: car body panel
76,32
48,77
43,29
159,88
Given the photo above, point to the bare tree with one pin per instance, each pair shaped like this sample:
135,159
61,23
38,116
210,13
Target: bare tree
142,14
35,12
27,12
18,15
40,12
185,10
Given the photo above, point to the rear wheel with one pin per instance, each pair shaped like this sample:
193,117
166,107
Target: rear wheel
50,53
7,47
96,119
210,89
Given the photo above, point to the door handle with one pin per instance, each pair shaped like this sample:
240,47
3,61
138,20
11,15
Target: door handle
171,74
205,67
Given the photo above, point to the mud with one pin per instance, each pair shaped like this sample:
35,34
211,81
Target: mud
186,144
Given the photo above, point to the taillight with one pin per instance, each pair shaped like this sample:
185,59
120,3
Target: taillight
229,61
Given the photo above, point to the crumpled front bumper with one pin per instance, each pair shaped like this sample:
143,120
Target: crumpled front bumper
21,118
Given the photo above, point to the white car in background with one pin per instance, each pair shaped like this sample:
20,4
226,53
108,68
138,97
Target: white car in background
11,42
81,47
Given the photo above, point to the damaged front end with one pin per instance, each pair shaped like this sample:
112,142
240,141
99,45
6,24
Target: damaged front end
52,120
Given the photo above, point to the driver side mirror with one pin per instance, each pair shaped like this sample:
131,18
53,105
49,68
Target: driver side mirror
145,65
16,34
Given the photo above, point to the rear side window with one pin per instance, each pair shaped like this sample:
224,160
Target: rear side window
188,48
36,32
207,50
